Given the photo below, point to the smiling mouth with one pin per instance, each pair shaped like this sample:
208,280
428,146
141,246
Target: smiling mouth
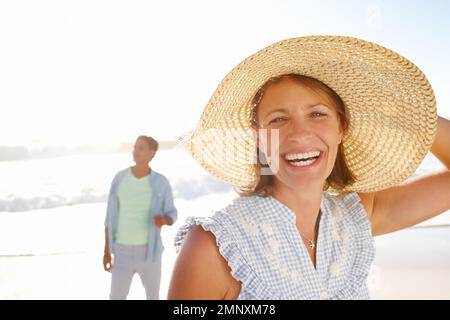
302,159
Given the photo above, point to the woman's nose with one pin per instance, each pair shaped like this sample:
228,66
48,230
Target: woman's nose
299,129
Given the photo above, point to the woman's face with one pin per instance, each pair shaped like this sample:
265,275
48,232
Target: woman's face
309,134
142,152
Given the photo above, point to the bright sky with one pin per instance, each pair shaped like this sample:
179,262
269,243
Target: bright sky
75,72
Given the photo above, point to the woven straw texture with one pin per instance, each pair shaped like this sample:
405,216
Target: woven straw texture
390,102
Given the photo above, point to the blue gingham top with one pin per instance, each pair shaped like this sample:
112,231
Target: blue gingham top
258,238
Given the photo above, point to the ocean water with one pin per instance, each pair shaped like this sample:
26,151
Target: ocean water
71,180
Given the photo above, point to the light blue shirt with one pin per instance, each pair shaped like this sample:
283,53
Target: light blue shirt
260,241
161,204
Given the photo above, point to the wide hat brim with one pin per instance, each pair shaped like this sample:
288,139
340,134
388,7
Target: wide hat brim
391,106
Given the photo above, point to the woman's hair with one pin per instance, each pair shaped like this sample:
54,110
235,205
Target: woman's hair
340,176
152,143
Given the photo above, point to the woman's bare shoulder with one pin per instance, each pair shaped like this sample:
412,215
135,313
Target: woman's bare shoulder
200,271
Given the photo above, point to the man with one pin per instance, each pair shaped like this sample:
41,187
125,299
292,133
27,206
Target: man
140,202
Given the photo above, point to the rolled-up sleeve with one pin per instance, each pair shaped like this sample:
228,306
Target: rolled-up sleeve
169,206
111,203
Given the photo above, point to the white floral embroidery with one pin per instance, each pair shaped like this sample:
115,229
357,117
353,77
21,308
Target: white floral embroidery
270,257
335,233
296,277
345,237
324,296
335,268
267,229
344,256
335,230
274,244
285,271
250,228
337,215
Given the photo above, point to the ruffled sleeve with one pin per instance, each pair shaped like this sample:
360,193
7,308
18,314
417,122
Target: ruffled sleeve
228,243
364,253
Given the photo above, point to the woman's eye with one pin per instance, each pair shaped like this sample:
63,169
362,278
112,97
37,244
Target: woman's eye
318,114
276,120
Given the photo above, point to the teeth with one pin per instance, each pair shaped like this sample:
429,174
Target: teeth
299,156
303,163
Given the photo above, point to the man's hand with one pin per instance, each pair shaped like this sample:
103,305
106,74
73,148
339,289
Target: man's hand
162,220
107,262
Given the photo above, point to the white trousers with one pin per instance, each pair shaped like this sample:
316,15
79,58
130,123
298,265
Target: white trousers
127,261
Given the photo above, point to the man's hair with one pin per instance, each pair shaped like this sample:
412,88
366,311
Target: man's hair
152,143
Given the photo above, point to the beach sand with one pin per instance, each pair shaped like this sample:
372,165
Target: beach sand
57,254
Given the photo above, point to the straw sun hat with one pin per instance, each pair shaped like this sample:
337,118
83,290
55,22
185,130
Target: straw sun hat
390,103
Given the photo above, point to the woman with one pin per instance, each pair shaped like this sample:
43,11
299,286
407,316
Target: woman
341,123
140,202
